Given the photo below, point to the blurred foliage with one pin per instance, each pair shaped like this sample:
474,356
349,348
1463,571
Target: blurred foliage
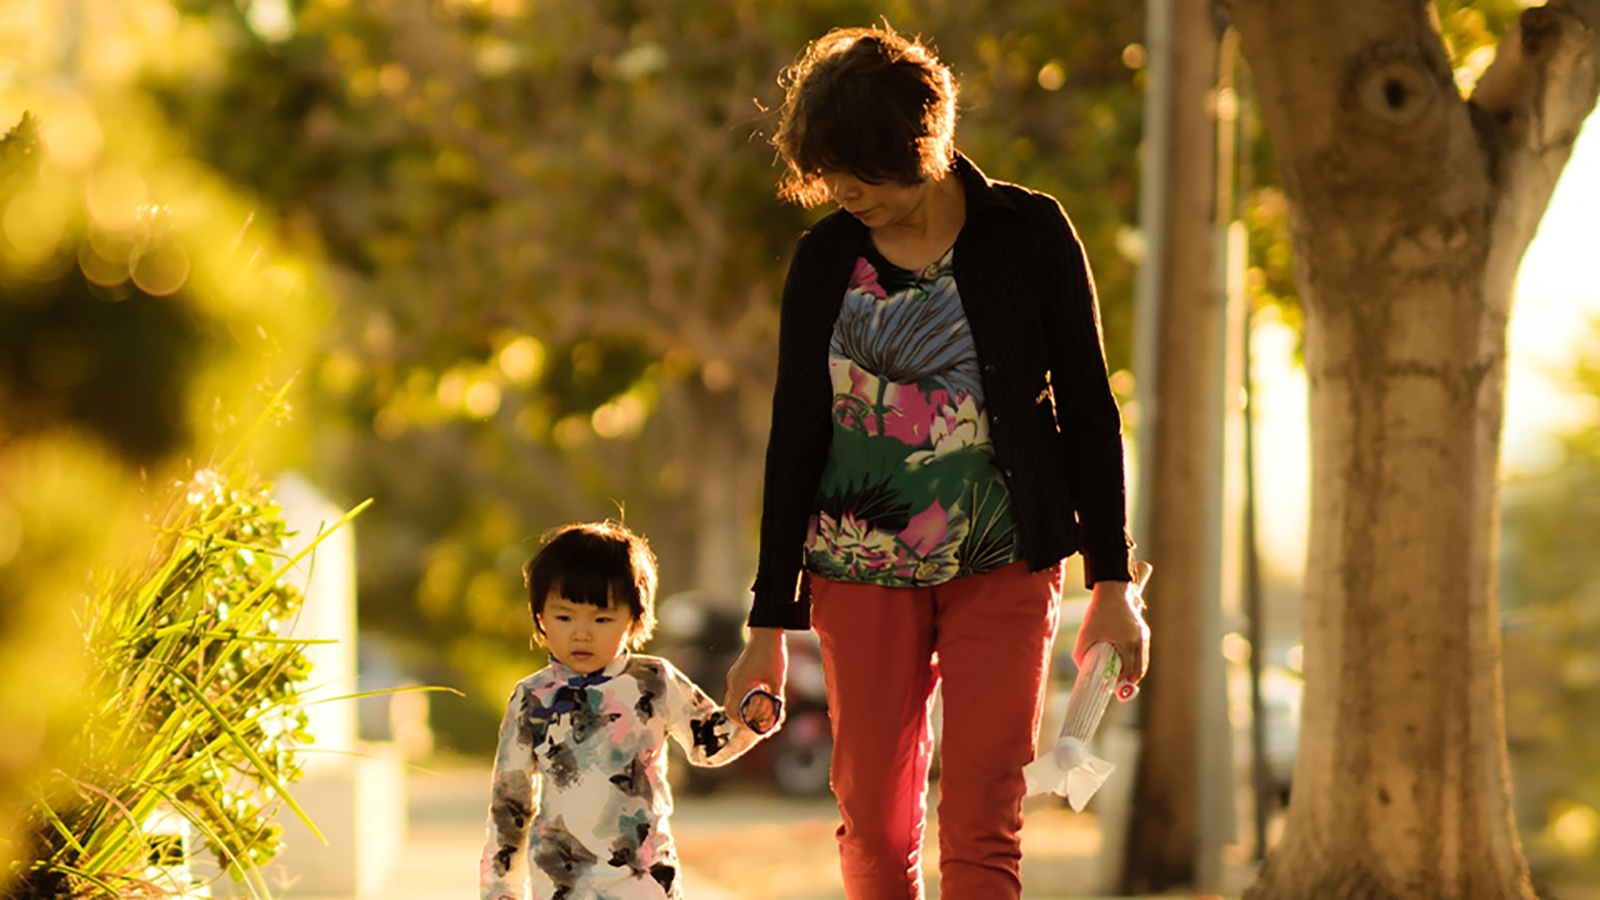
138,314
191,690
84,337
109,288
555,237
1550,597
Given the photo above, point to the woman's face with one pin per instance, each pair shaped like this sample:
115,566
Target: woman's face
876,204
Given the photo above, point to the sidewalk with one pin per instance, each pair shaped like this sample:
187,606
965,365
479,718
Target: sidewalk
739,843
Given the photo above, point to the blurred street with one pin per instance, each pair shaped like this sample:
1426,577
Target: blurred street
740,842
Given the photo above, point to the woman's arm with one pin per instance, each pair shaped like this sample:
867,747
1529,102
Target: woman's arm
1086,410
513,804
1091,430
796,448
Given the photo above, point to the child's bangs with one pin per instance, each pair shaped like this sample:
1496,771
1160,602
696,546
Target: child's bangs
591,586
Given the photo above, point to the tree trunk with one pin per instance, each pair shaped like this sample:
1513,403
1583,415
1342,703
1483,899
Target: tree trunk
1163,834
722,564
1411,209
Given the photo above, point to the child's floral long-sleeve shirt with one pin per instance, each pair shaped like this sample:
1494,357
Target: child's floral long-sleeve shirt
580,798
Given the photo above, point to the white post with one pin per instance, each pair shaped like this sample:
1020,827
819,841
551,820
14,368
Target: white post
328,579
353,792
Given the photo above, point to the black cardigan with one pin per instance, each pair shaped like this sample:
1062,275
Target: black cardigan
1057,433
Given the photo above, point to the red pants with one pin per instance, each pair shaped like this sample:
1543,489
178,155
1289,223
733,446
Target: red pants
988,637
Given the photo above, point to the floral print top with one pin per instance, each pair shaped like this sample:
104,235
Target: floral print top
910,494
580,800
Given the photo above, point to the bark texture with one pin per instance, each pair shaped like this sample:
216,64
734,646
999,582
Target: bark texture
1411,209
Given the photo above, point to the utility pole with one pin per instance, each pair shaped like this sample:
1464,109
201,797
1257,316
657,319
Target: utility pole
1173,838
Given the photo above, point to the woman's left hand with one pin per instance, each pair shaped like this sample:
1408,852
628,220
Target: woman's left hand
1116,617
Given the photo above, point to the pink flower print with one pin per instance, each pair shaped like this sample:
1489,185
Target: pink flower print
855,543
926,529
911,412
816,541
865,279
930,541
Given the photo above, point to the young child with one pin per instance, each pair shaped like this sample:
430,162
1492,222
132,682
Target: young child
580,799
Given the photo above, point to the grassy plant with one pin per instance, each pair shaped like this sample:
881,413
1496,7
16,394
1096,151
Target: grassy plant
193,691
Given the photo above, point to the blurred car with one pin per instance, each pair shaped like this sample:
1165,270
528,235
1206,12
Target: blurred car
703,637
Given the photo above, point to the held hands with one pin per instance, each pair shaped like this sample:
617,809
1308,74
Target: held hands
764,663
1116,617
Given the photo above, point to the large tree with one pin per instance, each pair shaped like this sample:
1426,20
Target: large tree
1412,199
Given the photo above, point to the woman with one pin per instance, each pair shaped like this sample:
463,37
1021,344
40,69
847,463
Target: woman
943,437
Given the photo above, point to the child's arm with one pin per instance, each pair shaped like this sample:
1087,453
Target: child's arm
503,870
708,734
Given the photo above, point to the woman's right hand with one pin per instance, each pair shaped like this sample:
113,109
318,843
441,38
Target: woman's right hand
763,663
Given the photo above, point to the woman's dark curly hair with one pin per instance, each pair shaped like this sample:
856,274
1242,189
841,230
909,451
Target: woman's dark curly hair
868,102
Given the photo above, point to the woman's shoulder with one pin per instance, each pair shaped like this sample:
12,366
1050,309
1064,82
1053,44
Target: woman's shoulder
988,194
1031,203
1039,214
836,229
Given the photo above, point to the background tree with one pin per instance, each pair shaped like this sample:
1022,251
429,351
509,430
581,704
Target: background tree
1411,206
1551,585
558,253
1163,843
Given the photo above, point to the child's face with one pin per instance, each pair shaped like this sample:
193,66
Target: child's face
583,637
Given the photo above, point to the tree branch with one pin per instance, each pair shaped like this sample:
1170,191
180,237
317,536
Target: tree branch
1528,109
1544,80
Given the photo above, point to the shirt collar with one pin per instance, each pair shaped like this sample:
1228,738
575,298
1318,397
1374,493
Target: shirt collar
599,676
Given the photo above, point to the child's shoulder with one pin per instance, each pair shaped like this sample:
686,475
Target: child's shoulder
654,667
646,663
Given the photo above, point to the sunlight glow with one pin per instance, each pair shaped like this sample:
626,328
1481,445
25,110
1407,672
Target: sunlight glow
114,196
33,223
273,20
622,417
1554,316
73,134
1577,830
1052,76
482,399
521,359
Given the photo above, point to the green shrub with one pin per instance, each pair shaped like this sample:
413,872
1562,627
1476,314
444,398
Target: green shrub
193,700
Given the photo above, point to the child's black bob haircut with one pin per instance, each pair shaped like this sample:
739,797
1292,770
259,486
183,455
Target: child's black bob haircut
594,563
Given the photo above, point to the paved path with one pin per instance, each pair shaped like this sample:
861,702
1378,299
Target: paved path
739,843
